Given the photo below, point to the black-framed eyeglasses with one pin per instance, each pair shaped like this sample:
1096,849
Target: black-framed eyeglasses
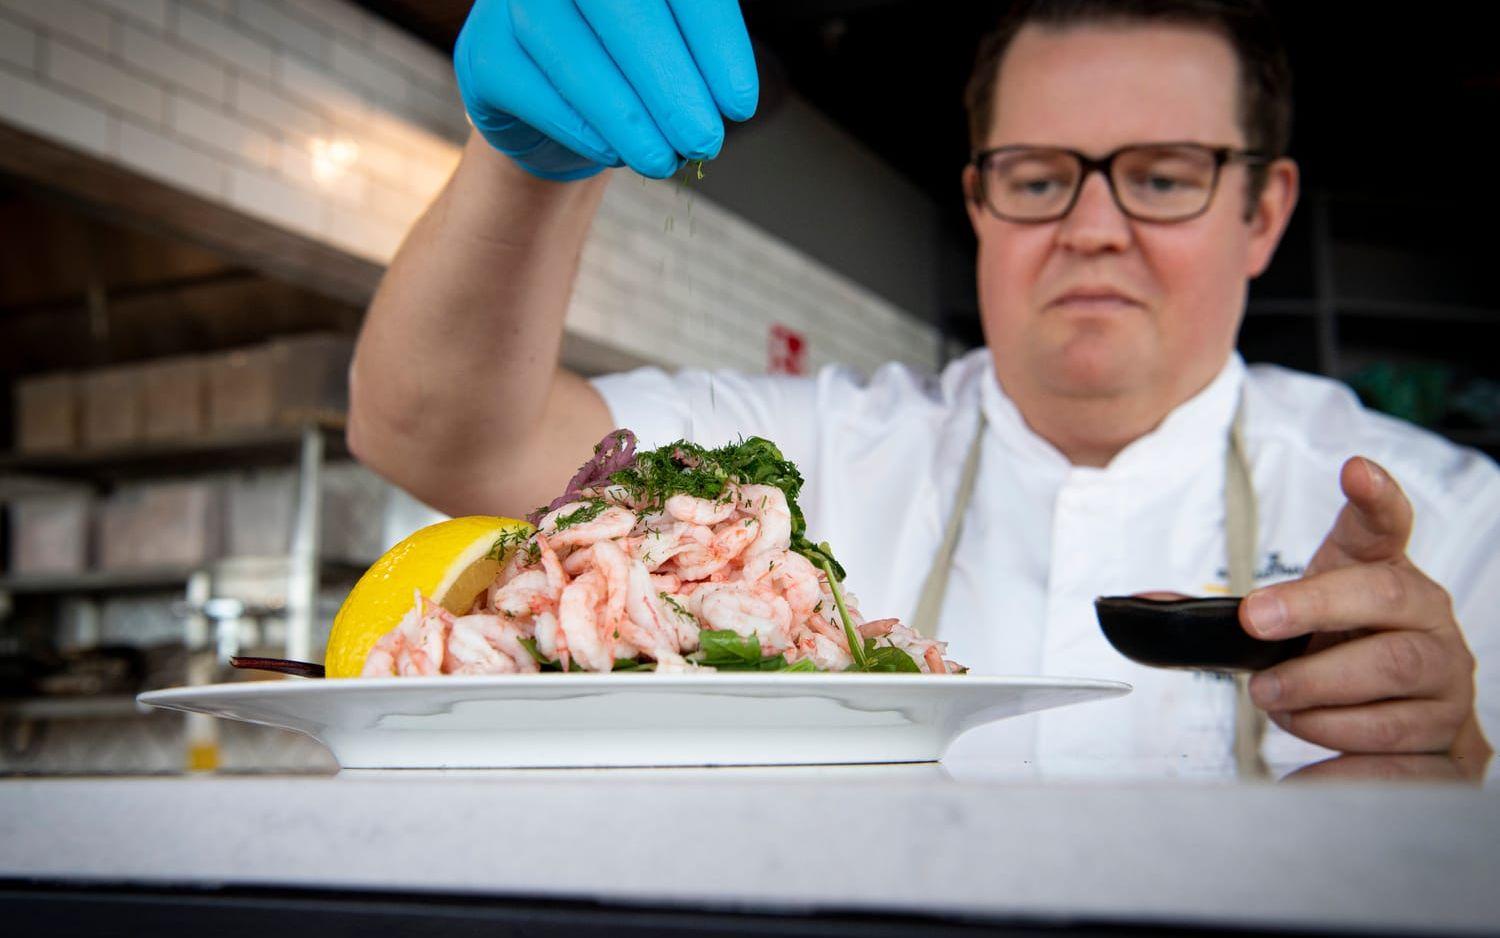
1153,182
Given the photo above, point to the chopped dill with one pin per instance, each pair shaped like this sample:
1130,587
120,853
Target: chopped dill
506,541
670,600
591,509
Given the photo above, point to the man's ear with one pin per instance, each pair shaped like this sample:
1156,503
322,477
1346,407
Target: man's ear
1271,213
972,204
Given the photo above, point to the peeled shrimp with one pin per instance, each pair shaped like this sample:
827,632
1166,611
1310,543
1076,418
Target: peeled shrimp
612,564
525,595
632,608
698,510
699,562
658,545
767,505
767,617
642,580
426,631
473,647
415,647
506,637
818,625
790,574
550,640
927,652
825,654
612,522
579,561
648,619
556,577
578,615
674,606
381,661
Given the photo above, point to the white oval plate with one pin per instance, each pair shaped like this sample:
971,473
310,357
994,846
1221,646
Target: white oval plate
643,719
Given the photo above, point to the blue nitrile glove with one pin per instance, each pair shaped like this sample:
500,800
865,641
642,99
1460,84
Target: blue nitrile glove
568,87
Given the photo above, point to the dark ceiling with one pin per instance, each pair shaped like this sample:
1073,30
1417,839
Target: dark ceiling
1399,105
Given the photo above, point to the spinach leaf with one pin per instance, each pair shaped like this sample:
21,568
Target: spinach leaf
730,651
888,658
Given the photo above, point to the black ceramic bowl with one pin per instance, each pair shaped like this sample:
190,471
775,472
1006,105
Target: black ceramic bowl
1203,634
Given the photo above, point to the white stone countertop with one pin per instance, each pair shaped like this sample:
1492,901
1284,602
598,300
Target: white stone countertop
917,839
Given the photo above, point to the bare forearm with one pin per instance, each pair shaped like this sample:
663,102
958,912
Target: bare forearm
458,356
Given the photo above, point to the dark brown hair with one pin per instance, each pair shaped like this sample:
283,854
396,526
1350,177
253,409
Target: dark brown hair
1265,93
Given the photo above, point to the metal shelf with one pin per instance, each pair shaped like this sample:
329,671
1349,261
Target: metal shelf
97,581
271,446
152,579
306,445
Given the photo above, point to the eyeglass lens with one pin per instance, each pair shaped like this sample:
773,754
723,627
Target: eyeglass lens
1150,182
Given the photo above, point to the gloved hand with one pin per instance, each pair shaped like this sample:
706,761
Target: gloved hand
568,87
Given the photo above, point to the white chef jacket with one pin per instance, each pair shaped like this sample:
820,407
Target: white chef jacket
1043,538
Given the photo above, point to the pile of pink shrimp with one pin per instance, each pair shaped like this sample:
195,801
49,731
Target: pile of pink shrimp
639,584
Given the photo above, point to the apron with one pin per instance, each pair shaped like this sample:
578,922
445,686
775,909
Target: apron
1240,538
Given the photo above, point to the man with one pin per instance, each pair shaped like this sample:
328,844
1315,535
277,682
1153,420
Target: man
1129,181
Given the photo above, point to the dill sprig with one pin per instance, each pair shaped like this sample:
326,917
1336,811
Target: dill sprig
515,537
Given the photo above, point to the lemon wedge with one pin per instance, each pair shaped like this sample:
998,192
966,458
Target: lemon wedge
449,562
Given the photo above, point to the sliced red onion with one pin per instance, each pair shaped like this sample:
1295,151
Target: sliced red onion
612,454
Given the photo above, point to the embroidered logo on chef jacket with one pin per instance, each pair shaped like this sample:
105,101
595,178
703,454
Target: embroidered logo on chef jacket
1272,568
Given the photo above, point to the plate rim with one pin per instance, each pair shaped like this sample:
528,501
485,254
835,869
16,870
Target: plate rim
164,697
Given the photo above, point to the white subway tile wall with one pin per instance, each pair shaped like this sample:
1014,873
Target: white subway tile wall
50,111
153,12
80,22
153,53
164,158
319,117
18,45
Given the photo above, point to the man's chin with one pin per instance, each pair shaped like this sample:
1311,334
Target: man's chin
1105,374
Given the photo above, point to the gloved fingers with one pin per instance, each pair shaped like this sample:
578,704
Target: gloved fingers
569,52
644,40
715,34
511,102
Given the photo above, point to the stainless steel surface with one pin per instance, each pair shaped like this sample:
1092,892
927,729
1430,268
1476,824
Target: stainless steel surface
991,841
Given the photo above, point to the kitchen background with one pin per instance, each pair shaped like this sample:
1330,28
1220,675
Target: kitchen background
197,198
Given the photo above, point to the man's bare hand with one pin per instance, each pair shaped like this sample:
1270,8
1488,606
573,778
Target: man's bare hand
1387,669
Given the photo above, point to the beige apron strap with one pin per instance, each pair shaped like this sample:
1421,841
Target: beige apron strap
1240,517
930,601
1240,537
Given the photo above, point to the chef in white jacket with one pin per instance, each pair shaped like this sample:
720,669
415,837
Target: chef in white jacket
1128,181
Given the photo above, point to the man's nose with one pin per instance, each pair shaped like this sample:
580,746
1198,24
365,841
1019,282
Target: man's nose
1096,223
